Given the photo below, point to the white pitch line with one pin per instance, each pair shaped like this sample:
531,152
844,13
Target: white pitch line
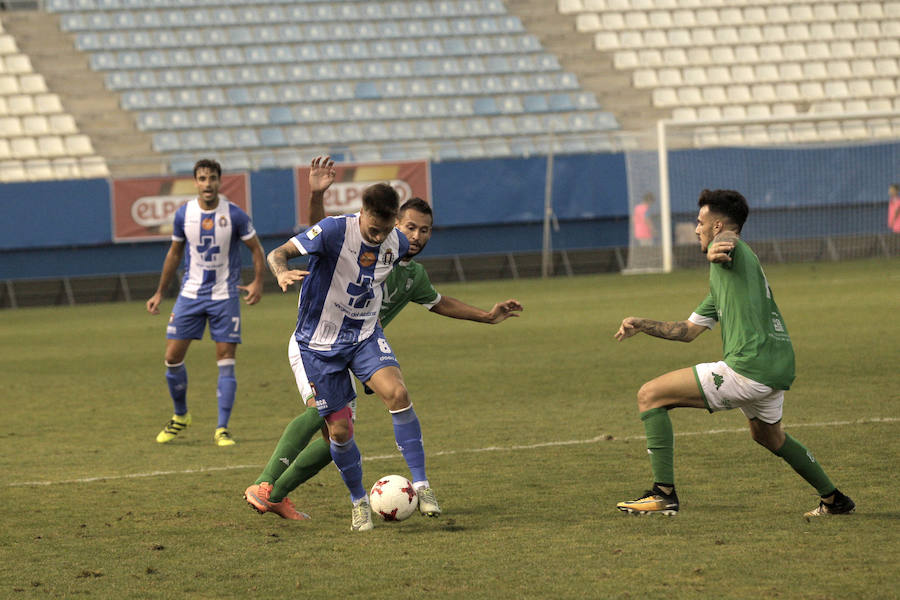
593,440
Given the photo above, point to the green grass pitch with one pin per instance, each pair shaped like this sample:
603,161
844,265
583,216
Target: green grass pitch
532,436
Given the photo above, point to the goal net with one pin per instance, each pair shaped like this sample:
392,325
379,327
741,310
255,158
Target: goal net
818,187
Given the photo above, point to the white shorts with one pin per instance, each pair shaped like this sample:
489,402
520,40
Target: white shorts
723,389
303,385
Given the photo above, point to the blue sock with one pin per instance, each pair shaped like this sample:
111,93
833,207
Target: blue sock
408,434
346,457
226,389
176,377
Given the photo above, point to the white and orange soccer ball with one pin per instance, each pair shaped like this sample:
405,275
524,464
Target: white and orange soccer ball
393,498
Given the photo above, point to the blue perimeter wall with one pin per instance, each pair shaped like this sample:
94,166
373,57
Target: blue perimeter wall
64,228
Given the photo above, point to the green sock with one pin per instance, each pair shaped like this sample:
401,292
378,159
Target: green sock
660,444
294,439
310,461
801,460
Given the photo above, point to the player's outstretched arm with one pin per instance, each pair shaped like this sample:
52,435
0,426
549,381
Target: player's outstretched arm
278,264
321,176
680,331
254,288
457,309
170,266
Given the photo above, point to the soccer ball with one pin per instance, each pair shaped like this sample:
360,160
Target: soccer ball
393,498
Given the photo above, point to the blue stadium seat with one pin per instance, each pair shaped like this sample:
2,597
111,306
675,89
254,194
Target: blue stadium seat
485,106
235,161
239,96
280,115
306,113
166,142
176,119
182,164
511,105
255,115
535,103
118,80
256,55
171,78
204,117
376,131
232,56
134,100
504,125
324,134
88,41
334,112
298,135
289,93
562,102
186,97
246,138
496,147
522,146
220,139
150,121
367,90
228,117
365,153
196,77
272,137
435,107
349,133
193,140
204,57
146,79
586,101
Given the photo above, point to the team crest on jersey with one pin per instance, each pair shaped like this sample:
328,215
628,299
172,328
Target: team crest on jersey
388,257
367,259
207,224
312,233
223,222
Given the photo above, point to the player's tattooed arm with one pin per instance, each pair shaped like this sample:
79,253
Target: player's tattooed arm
679,331
278,264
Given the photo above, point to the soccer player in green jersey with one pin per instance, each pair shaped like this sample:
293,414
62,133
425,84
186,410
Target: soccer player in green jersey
295,458
757,368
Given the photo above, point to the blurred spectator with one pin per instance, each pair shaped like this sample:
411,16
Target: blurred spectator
894,208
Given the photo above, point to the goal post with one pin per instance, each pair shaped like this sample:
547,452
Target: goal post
817,186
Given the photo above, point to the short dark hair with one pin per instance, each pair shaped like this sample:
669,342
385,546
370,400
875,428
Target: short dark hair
207,163
418,204
382,200
728,203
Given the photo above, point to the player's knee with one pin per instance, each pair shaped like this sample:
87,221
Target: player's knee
646,397
340,425
397,398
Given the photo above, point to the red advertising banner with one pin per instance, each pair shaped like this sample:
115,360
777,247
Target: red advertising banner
410,178
143,208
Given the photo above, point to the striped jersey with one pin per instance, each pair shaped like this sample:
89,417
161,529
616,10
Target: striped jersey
341,297
212,258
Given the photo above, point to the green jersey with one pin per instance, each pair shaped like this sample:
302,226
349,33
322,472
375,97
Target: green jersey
407,282
754,338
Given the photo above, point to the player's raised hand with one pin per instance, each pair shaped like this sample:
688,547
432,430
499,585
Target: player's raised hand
719,252
628,328
321,173
253,292
504,310
288,278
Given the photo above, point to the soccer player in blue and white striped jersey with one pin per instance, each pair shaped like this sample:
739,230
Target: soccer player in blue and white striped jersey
205,234
337,328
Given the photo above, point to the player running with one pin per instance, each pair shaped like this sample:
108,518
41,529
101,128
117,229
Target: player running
757,368
209,227
293,461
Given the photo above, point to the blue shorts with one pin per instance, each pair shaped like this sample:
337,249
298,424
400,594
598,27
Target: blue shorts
328,373
188,320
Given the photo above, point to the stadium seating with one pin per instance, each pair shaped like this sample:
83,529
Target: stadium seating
717,59
360,73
